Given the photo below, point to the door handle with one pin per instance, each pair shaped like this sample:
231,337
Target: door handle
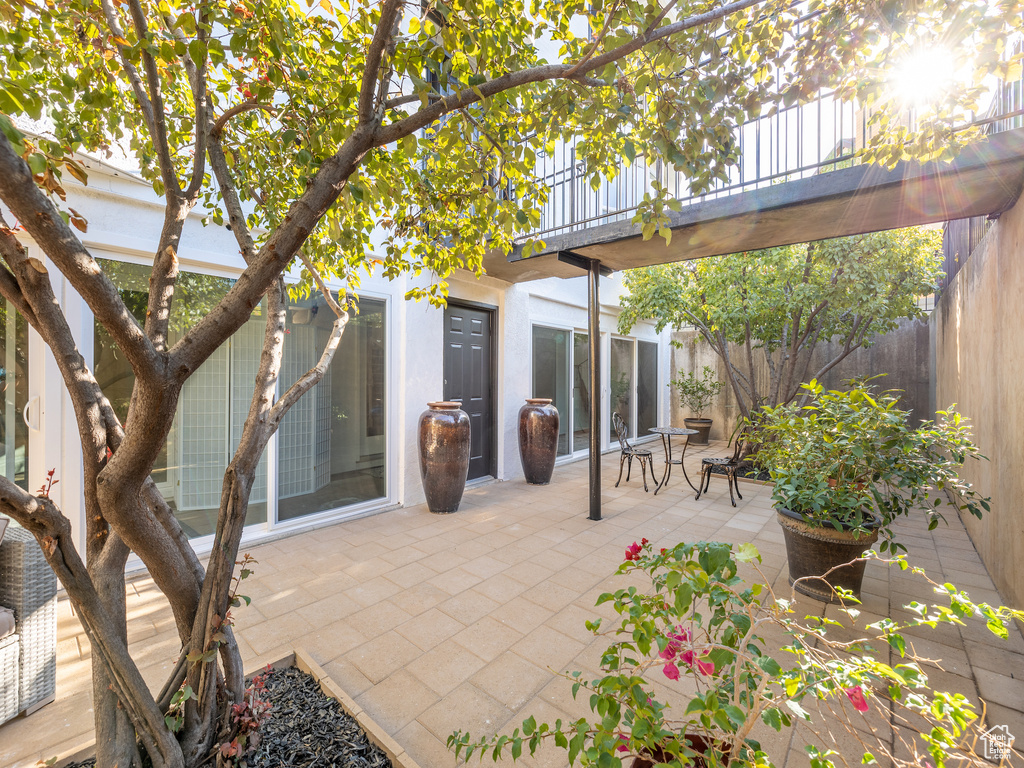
25,410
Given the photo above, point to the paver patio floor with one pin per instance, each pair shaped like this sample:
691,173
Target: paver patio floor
433,623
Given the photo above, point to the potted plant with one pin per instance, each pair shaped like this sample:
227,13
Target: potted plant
693,616
845,466
696,393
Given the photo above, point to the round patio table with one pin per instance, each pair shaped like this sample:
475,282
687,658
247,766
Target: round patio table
667,433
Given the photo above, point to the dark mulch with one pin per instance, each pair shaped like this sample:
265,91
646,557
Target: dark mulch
306,729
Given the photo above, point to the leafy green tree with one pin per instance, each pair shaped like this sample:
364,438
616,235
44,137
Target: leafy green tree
309,129
780,304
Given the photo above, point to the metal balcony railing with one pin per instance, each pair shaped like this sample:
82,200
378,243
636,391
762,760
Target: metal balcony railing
793,143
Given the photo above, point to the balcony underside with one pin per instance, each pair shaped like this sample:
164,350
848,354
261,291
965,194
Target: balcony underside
986,179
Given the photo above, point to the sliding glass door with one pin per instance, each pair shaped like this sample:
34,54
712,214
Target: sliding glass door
330,446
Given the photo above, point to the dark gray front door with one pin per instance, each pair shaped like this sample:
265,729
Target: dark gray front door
468,378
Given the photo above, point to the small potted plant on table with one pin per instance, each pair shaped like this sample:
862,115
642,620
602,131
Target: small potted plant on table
696,393
845,466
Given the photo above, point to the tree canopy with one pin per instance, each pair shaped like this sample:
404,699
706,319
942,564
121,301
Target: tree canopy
779,303
311,131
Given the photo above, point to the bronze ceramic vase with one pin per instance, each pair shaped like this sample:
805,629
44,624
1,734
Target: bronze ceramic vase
444,455
538,439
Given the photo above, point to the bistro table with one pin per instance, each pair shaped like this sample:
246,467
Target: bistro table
667,433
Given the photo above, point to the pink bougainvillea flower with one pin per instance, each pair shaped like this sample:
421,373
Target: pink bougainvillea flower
706,667
633,551
856,694
624,747
687,658
681,634
671,671
644,542
670,651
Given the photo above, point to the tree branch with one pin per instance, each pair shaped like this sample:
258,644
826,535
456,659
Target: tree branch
324,290
159,125
390,15
410,98
44,224
238,109
201,106
11,249
601,35
229,193
134,78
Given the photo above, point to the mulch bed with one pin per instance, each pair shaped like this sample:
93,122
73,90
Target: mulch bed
304,728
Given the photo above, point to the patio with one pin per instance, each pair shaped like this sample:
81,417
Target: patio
433,623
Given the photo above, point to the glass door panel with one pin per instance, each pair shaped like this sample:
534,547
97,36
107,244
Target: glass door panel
580,392
646,387
551,376
622,384
14,379
331,445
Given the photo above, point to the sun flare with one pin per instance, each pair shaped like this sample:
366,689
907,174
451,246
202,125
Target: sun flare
924,76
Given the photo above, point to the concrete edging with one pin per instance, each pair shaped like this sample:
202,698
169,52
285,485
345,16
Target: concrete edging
374,732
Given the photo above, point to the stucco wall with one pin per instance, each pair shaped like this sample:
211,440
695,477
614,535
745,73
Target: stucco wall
903,355
979,364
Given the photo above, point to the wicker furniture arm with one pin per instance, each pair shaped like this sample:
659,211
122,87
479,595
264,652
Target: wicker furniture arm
29,587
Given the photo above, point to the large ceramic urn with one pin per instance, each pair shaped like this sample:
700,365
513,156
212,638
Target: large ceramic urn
538,439
820,556
444,455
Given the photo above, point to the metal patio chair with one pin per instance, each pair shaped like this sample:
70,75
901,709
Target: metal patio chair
730,465
629,453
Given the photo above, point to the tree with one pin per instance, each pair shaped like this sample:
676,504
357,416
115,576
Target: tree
307,130
780,303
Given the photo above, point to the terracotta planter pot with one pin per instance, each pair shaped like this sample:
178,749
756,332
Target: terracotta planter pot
814,550
444,455
697,743
538,439
703,427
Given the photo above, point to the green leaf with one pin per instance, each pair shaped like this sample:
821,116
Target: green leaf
197,52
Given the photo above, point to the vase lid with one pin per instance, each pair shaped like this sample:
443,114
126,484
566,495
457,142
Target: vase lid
445,405
539,400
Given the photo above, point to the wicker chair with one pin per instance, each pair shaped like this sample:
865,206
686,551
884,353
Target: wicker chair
629,453
29,587
730,465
